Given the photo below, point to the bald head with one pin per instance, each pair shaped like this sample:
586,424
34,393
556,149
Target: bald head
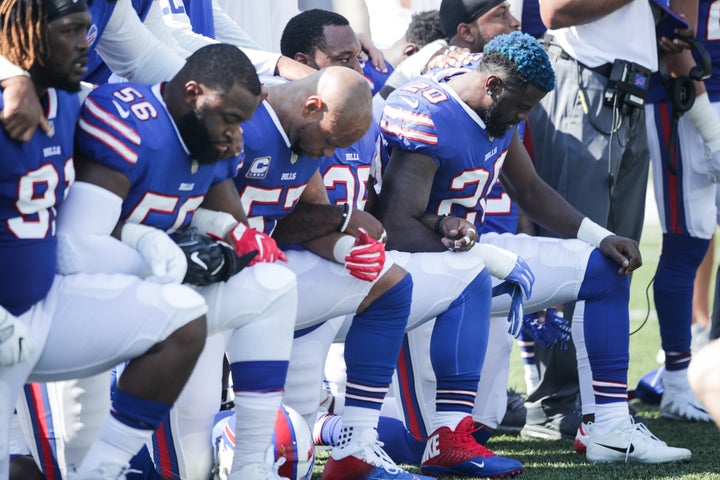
349,100
326,110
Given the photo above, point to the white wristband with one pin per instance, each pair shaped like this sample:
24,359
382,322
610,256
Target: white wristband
498,261
592,233
212,221
342,248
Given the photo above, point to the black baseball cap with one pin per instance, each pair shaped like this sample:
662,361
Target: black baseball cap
455,12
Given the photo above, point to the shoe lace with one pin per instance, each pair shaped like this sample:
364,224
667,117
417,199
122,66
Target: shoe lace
376,456
464,440
644,434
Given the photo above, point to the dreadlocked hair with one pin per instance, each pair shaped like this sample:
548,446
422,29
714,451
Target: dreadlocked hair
21,35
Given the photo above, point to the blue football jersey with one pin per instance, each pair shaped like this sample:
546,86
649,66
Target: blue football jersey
34,181
273,177
346,173
708,32
428,118
200,13
127,128
376,78
501,213
101,10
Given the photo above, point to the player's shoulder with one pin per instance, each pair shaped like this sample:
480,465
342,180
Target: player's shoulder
124,106
263,129
421,101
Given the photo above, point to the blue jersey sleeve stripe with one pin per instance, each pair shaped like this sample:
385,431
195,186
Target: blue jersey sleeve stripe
109,141
407,116
407,133
112,121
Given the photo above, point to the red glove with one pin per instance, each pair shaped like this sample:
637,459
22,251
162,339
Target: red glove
248,239
366,258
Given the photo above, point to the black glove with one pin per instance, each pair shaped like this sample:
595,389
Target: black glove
209,260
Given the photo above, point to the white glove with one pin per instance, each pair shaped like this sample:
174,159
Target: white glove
16,344
165,258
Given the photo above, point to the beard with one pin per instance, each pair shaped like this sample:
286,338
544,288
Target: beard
61,81
494,127
196,137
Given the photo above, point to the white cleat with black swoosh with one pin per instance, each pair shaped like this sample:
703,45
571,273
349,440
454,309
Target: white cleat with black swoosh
632,441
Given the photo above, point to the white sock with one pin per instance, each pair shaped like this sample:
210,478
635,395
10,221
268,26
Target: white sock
532,378
116,445
607,415
356,423
255,415
447,419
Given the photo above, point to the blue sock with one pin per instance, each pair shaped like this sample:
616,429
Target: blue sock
607,327
136,412
372,346
674,282
458,346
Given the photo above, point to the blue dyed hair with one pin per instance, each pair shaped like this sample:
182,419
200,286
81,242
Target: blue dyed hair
523,56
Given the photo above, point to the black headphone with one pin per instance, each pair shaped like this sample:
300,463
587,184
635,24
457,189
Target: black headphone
681,90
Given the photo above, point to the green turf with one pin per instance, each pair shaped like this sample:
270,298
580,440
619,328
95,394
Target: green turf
555,460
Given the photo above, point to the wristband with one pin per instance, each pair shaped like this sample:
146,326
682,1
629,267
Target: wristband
213,221
498,261
342,248
345,221
592,233
437,224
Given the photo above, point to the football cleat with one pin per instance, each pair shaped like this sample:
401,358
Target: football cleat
364,459
581,437
681,404
449,452
631,441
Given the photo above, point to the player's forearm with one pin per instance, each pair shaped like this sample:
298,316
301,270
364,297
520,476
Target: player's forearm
567,13
307,222
291,69
547,208
415,234
85,226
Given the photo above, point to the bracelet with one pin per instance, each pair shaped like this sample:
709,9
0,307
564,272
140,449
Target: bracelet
438,222
345,221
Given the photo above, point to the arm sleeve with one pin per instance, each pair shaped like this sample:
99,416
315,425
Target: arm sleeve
85,242
133,52
228,31
155,22
179,27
